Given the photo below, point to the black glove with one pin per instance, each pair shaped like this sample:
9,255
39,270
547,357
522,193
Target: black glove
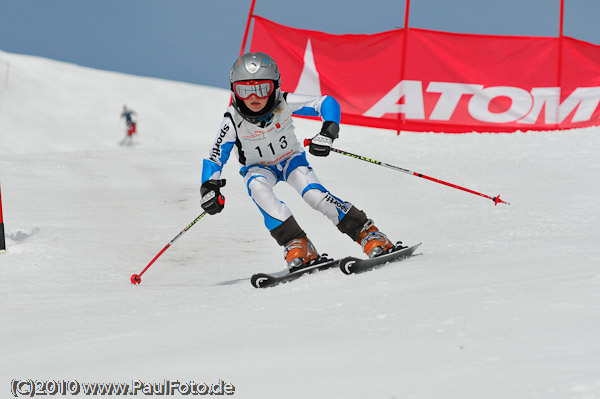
212,201
320,145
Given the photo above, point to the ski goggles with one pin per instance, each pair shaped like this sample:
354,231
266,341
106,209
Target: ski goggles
260,88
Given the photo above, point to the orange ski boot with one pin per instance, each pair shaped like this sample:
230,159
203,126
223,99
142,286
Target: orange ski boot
299,253
373,241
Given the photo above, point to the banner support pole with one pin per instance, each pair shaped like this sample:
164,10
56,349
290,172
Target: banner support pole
250,14
560,57
403,64
562,18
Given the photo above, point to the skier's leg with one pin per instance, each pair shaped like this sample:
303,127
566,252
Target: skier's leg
260,182
278,218
349,220
304,180
125,141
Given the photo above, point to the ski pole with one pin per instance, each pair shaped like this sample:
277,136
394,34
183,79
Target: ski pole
496,199
137,278
2,241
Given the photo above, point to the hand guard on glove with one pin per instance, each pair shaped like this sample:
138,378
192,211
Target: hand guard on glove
212,201
320,145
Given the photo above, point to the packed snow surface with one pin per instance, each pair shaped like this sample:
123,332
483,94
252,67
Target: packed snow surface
501,301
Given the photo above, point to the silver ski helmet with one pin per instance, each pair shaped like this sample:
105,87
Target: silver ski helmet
255,73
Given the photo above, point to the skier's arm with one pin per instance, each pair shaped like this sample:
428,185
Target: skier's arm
325,106
220,150
328,109
212,201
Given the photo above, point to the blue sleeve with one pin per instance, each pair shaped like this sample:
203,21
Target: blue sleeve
210,170
326,106
213,163
330,110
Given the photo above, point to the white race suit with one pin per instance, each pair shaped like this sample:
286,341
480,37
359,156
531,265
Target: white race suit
270,153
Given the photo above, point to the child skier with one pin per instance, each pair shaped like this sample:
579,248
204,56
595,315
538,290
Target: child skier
259,125
130,125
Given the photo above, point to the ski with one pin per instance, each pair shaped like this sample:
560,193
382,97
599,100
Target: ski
263,280
351,265
348,265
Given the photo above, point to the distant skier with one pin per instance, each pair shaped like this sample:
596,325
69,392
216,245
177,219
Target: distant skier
130,125
259,125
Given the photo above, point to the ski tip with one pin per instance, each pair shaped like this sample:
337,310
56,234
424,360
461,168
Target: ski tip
411,250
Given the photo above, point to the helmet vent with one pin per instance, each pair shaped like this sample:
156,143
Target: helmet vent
252,66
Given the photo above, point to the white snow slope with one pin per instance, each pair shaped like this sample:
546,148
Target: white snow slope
502,302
